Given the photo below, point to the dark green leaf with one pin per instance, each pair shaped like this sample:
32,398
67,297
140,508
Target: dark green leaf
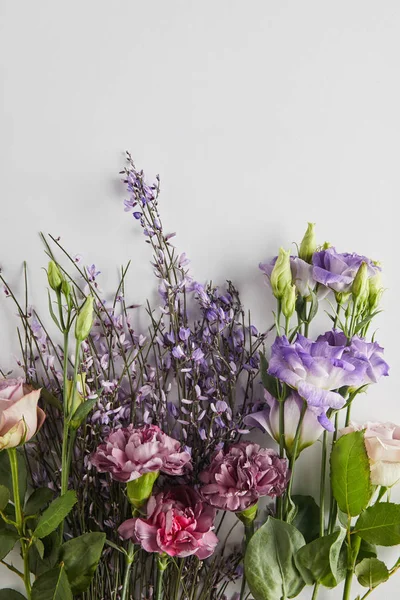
4,497
314,306
9,594
350,473
380,524
38,500
39,547
52,585
39,565
8,539
270,383
366,551
307,518
82,412
270,569
80,557
5,474
55,514
371,572
320,560
50,399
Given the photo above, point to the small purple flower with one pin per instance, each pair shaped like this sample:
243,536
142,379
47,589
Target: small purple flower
92,272
178,353
337,270
239,476
198,355
315,369
137,215
184,334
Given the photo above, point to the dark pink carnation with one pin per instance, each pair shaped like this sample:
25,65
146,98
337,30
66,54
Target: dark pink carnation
236,478
129,453
178,523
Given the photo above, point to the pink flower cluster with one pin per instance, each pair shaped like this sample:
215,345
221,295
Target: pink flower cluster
177,523
129,453
236,478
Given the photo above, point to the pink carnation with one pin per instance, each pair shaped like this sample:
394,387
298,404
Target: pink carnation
236,478
129,453
178,523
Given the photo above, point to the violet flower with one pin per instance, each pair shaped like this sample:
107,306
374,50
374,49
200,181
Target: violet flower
302,276
178,523
239,476
267,420
315,369
129,453
337,270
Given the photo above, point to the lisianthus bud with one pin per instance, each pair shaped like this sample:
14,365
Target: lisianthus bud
75,397
54,276
326,245
281,274
375,290
309,244
84,320
289,300
65,288
359,289
140,490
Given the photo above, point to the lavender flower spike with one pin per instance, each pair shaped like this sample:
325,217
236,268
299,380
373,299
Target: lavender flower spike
315,369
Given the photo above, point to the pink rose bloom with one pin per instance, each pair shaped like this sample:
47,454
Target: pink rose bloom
178,523
129,453
20,416
382,442
237,478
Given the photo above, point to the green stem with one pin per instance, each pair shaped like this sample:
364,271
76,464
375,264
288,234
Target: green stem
322,485
293,457
279,503
352,553
162,563
12,455
315,592
127,577
248,534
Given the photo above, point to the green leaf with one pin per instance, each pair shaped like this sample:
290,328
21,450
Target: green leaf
38,500
307,517
55,514
350,473
82,412
80,557
366,551
320,560
39,564
371,572
4,496
9,594
269,562
50,399
39,547
8,539
380,524
5,474
52,585
270,383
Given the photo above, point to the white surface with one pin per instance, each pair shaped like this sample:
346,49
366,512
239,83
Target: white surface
258,115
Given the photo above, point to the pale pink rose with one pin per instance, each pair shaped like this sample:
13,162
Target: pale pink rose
382,442
20,416
178,523
130,452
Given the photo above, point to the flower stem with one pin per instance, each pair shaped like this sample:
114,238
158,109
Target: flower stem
293,457
248,534
12,455
162,563
352,553
315,592
322,486
127,577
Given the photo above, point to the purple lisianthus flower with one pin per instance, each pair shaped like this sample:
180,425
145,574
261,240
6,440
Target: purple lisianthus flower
315,369
239,476
129,453
302,276
267,420
369,353
337,270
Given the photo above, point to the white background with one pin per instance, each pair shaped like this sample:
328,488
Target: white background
258,115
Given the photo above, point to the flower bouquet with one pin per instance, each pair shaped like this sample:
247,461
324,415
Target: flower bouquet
139,475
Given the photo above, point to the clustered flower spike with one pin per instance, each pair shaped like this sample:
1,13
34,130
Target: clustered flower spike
128,453
239,476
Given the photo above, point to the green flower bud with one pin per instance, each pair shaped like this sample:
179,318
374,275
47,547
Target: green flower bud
247,516
54,276
139,490
342,297
84,320
281,274
326,245
66,288
75,397
289,300
375,291
359,289
309,244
